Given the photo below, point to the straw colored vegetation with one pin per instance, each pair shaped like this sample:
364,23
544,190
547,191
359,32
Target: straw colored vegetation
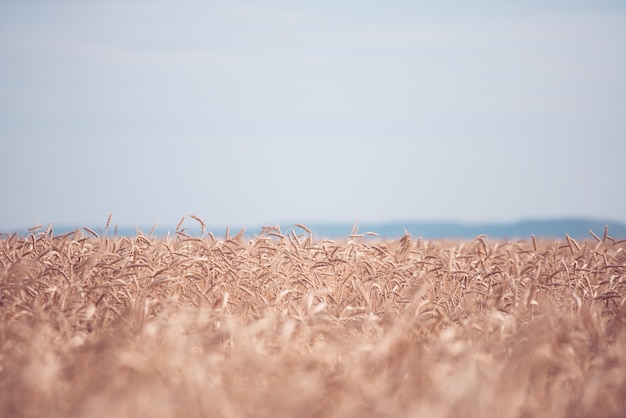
287,325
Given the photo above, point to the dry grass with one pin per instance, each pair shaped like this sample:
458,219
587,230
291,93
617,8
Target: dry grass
286,325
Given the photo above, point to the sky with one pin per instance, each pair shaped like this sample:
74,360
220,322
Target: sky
257,113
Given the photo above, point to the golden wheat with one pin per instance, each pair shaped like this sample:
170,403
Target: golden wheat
285,325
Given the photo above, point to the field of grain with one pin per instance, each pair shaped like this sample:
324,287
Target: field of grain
287,325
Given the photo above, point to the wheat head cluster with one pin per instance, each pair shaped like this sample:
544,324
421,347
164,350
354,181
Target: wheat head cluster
283,324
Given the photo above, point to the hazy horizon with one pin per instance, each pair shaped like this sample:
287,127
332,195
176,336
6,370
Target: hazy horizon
248,113
578,228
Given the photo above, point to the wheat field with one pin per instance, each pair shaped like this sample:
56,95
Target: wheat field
283,324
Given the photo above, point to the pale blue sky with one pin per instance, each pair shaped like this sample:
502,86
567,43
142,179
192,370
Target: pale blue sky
248,113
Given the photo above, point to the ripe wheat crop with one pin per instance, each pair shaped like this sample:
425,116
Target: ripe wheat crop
283,324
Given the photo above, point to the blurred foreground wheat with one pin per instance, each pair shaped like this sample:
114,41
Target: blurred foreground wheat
285,325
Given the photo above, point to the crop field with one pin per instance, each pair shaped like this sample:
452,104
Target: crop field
285,324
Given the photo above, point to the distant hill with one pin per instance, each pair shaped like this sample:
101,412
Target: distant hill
544,228
541,228
554,228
